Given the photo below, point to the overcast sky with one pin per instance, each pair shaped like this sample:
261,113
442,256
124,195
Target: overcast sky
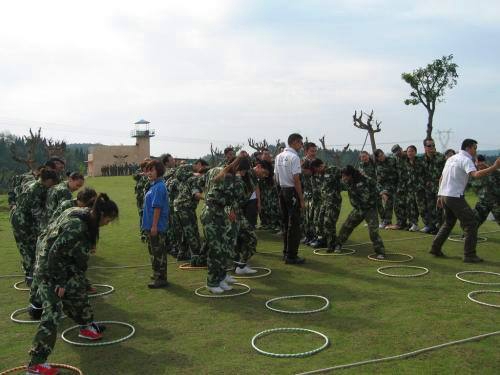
222,71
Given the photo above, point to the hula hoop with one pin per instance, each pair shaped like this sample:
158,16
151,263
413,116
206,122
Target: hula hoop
291,355
458,238
16,286
318,252
57,365
458,276
298,311
471,294
267,273
391,261
109,291
189,267
426,271
9,276
197,292
22,321
101,343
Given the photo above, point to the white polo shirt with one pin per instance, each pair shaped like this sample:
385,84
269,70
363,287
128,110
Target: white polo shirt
455,175
286,165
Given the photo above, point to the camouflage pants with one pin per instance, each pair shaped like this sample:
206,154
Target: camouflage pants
400,206
269,214
246,242
308,223
385,208
157,247
190,244
318,218
354,219
75,305
174,232
219,241
415,205
483,208
26,238
432,216
330,214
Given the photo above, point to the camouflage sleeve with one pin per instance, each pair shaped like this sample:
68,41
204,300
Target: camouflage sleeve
11,193
57,261
37,206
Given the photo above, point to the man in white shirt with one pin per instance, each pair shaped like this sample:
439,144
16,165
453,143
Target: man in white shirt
452,185
287,172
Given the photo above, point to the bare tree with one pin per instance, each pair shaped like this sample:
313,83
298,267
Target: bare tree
217,154
32,142
368,126
54,148
258,146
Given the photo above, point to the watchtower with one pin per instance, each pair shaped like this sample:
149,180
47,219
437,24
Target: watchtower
142,133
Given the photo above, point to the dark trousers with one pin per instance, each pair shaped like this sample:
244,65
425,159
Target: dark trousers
290,211
251,212
453,209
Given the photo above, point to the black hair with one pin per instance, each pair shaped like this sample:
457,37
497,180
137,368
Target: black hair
87,196
165,158
427,140
316,163
365,152
75,176
481,158
450,151
158,166
306,164
378,152
57,159
269,168
350,171
468,143
228,149
202,162
294,137
48,174
309,145
102,207
411,146
50,164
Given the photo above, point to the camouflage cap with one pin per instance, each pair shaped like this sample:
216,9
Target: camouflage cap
395,148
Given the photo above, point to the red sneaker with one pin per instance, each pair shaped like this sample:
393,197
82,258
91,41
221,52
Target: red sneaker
42,369
90,333
91,289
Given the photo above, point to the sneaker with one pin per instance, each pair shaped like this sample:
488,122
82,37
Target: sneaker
413,228
474,259
90,333
225,286
158,283
318,244
98,327
215,289
229,279
42,369
244,271
91,289
425,229
437,254
393,227
295,260
380,256
381,226
34,312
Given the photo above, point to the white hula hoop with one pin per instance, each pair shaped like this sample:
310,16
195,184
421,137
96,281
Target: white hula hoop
371,257
426,271
459,277
17,287
197,292
318,252
22,321
100,343
290,355
458,238
110,290
471,297
327,303
267,273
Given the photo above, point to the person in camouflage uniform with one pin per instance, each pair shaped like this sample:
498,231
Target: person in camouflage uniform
433,166
62,192
140,190
310,150
217,217
415,192
84,198
363,196
28,216
400,199
367,166
270,215
191,181
317,204
386,185
17,182
60,270
331,201
488,194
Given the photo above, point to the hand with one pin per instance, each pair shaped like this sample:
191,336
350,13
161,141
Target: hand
60,292
385,197
439,202
232,216
302,203
154,231
497,163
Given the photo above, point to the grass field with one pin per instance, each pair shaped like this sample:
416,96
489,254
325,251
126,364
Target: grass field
370,316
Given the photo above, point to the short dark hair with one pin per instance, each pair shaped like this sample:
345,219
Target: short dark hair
48,174
413,147
228,149
202,162
158,166
427,140
309,145
378,152
306,164
87,196
350,171
468,143
267,166
481,158
365,152
58,159
450,151
76,176
316,163
165,158
50,164
294,137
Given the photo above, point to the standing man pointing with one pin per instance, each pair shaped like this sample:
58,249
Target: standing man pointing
287,172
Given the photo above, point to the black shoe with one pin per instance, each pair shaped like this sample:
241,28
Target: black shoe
34,312
183,258
158,283
318,244
295,260
474,259
437,254
330,249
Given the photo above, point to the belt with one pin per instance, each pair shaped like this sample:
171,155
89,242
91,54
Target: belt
287,187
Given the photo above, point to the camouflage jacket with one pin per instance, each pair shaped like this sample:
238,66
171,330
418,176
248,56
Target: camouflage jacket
433,167
489,188
415,174
331,186
63,251
363,195
219,194
316,182
16,185
185,197
401,172
61,208
31,205
368,169
386,175
55,196
141,188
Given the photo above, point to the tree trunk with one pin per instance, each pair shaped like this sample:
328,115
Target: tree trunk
372,141
429,124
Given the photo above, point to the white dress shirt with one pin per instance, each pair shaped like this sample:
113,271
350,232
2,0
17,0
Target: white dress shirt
455,175
287,164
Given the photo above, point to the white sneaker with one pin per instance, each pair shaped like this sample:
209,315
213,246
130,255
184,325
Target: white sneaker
225,286
245,270
380,256
381,226
229,279
413,228
337,249
425,229
215,289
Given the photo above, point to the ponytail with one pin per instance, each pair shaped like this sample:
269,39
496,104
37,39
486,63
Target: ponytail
102,207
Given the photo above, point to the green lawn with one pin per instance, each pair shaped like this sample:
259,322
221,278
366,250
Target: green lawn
370,316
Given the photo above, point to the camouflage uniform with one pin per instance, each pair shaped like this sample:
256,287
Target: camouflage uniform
141,187
363,197
174,231
16,185
433,166
368,169
317,181
219,197
331,203
308,221
55,196
62,263
386,183
400,200
269,213
246,241
415,193
61,208
489,198
27,220
185,211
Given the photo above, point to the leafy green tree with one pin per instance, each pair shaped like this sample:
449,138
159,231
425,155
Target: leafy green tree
429,85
